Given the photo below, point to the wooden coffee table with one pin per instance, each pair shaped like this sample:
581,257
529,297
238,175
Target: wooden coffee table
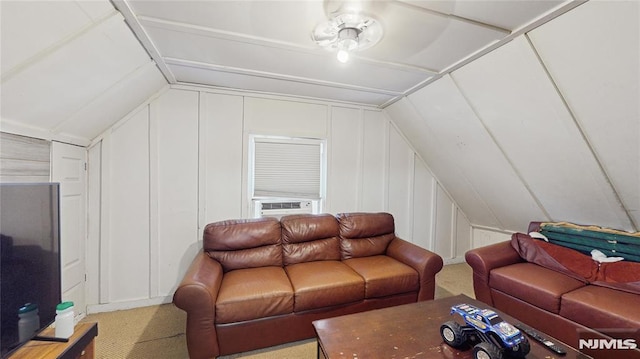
406,331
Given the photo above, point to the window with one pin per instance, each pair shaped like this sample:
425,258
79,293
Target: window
286,175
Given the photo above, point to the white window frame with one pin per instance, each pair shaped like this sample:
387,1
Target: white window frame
317,202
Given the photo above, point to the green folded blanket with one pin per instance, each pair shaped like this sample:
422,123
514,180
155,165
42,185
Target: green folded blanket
613,243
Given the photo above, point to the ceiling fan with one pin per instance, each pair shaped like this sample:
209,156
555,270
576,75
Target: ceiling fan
347,29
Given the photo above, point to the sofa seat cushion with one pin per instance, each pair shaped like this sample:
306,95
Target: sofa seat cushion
533,284
324,283
603,308
384,275
253,293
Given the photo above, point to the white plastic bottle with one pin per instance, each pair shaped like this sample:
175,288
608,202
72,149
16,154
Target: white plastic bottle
64,320
29,322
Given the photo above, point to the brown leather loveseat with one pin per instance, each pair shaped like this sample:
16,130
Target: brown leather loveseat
560,290
261,282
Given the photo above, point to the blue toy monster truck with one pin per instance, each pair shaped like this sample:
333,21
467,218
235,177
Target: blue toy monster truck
495,337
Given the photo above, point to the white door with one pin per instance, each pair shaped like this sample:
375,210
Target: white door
68,167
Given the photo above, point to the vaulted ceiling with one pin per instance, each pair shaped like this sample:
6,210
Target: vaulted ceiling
70,69
544,127
523,109
267,45
93,61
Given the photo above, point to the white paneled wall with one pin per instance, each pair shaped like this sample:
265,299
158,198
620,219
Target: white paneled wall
400,182
125,212
463,240
221,157
444,224
180,162
174,188
423,200
374,161
345,150
484,237
285,118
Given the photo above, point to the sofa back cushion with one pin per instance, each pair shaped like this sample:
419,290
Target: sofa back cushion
560,259
623,276
309,237
365,234
244,243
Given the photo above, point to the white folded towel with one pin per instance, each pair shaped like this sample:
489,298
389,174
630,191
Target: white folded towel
539,236
602,258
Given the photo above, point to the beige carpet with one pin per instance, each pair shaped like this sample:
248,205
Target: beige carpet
158,331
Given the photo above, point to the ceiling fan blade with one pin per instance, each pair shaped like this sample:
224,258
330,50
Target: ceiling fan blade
368,7
324,35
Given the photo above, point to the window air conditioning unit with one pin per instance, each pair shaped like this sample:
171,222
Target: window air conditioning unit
279,208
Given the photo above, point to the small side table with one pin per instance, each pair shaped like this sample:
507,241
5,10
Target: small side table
81,345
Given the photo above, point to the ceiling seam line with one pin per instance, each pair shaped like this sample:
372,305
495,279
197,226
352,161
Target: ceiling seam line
490,48
55,47
143,38
137,71
501,149
274,76
190,86
441,184
582,132
453,16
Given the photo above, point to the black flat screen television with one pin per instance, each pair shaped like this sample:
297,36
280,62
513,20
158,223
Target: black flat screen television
29,256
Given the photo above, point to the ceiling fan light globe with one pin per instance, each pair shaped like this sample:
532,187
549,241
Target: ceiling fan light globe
343,56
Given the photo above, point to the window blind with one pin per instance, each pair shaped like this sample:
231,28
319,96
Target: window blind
24,159
287,168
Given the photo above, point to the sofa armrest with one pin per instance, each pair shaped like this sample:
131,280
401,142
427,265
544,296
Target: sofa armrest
482,260
425,262
196,295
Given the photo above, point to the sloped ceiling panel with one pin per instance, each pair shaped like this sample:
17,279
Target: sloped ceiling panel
596,67
463,139
252,18
69,63
447,171
552,117
519,105
193,73
511,14
115,103
427,39
42,26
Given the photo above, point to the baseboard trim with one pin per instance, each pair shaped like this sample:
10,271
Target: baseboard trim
456,260
111,307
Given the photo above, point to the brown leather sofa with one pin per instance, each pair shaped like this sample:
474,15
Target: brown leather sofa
261,282
556,290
